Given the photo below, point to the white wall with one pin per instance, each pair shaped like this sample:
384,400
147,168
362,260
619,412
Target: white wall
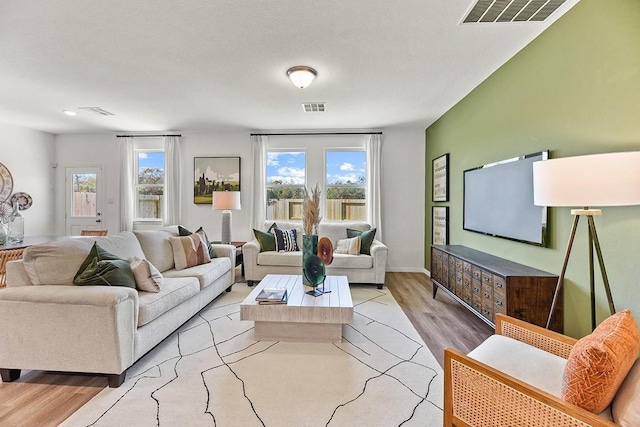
30,156
403,216
402,185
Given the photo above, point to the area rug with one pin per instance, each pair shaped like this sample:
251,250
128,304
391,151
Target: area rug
211,372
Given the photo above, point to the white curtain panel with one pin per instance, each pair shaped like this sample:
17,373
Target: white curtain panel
373,144
258,207
127,180
171,214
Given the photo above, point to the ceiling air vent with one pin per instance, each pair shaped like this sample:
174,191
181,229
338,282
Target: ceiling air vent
96,110
512,10
313,107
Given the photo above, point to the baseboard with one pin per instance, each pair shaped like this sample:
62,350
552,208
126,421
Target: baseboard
408,270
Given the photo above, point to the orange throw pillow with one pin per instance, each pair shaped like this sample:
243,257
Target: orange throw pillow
599,362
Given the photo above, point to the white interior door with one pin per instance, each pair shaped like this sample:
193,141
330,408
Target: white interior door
84,199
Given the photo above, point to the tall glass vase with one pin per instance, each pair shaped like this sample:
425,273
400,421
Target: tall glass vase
309,248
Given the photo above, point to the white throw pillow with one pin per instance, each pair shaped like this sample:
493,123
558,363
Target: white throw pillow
148,278
349,246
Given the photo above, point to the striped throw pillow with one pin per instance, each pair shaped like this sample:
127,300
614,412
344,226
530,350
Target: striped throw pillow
286,240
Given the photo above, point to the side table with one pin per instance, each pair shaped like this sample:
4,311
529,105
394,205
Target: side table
239,258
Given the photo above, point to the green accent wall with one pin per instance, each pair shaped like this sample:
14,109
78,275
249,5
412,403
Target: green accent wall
573,90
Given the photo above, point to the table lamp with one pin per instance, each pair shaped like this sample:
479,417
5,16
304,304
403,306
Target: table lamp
226,201
610,179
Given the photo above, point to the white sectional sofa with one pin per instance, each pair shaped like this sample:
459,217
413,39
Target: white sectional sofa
358,268
50,324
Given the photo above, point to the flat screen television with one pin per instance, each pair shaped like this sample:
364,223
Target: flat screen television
498,200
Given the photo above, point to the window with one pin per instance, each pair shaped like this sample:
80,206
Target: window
345,189
286,180
84,201
149,184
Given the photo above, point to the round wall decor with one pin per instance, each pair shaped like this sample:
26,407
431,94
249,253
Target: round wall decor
6,183
24,200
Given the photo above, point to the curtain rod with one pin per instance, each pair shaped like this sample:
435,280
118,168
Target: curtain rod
145,136
316,133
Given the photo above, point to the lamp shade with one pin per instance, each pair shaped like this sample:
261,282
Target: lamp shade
301,76
610,179
226,200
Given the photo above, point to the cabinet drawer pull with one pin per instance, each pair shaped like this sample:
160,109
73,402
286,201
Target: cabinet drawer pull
498,302
486,295
499,285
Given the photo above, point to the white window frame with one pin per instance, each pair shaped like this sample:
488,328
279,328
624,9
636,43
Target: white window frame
137,186
272,186
327,185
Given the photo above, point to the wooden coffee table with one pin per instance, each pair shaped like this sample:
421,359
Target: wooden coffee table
304,317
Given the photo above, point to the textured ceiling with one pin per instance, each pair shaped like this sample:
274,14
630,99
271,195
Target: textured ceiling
203,65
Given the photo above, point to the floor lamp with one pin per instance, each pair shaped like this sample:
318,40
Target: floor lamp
611,179
226,201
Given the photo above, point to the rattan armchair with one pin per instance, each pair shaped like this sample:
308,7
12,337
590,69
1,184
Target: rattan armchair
93,232
476,394
6,256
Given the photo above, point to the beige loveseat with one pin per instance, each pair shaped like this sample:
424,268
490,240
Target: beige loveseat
358,268
50,324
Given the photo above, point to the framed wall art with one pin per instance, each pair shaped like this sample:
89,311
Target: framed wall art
440,225
440,169
214,174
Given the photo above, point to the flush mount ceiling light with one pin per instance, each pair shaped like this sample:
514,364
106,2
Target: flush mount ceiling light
301,76
69,112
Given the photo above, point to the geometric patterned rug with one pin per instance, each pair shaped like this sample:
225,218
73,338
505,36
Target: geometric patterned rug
211,372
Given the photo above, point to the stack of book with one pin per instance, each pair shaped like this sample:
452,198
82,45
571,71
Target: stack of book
272,296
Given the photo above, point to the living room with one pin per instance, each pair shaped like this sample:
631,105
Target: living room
572,90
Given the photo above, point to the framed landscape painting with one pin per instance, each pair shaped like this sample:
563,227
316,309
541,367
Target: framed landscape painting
440,225
440,168
214,174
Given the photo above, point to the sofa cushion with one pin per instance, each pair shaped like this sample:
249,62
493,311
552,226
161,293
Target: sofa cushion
174,291
148,278
286,259
56,263
102,268
507,355
349,246
189,251
286,240
266,239
157,248
205,273
352,261
366,236
184,232
625,407
599,362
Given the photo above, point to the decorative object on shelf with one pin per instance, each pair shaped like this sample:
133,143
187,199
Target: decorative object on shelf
301,76
440,173
226,201
24,200
610,179
4,232
6,211
16,225
440,225
6,183
214,174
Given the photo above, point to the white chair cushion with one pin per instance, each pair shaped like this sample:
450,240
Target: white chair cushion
522,361
626,405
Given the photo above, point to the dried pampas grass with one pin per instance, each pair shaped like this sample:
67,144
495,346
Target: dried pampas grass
311,210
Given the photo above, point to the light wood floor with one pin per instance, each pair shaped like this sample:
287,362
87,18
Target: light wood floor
46,399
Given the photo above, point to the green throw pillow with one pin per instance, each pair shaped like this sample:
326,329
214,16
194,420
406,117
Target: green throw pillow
366,239
267,240
105,269
184,232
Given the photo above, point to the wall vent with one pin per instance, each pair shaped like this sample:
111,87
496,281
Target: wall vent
512,10
313,107
96,110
